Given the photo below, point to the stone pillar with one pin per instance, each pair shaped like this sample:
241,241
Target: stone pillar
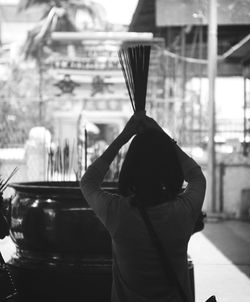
36,153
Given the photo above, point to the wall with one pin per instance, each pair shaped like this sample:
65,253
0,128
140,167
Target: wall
232,176
236,178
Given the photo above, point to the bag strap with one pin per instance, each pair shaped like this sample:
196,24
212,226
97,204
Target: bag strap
167,266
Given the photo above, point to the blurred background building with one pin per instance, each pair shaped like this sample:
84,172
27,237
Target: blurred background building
60,72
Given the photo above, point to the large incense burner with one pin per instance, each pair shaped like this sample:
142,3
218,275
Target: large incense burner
56,232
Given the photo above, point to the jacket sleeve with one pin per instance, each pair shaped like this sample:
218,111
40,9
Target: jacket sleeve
104,204
194,193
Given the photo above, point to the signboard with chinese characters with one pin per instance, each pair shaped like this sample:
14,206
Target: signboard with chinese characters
89,67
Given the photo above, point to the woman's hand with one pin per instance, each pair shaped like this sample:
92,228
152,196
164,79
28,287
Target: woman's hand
133,126
129,130
149,123
138,123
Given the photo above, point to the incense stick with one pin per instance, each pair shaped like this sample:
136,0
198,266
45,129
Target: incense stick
4,184
60,161
86,148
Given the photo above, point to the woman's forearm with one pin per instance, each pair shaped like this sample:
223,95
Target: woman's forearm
127,133
110,153
187,164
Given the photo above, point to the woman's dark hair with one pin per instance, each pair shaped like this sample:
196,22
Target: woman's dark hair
151,169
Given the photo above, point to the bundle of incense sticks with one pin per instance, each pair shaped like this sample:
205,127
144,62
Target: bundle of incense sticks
60,160
134,61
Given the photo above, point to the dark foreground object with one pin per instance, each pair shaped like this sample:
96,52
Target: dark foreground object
63,250
51,285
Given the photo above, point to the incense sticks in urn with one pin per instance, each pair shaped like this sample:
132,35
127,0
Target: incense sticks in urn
60,162
4,183
4,223
134,61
